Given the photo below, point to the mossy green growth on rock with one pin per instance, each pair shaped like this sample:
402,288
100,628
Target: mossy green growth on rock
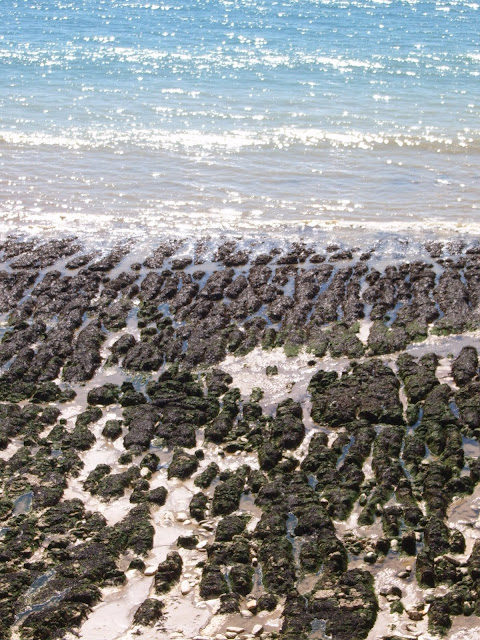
149,612
183,465
104,395
168,572
230,526
226,497
112,429
368,390
198,506
134,532
212,583
348,606
92,414
204,479
343,341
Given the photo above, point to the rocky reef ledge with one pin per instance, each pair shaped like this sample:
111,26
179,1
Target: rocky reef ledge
226,442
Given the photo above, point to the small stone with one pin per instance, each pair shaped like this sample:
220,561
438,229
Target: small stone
403,575
144,471
370,557
394,544
202,546
452,560
220,636
257,630
187,522
236,630
408,568
468,608
230,635
251,605
150,571
362,499
185,587
245,613
181,516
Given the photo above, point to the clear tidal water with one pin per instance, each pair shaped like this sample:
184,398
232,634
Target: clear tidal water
242,115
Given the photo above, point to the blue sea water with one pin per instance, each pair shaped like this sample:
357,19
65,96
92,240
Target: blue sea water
243,115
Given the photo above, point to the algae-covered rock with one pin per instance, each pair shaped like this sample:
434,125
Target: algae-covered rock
114,485
229,603
267,602
183,465
134,532
217,382
82,438
230,526
275,556
149,612
86,358
141,421
198,506
50,622
370,391
213,583
465,366
106,394
241,577
112,429
419,377
168,572
439,621
287,429
150,461
157,496
90,415
297,620
47,392
349,607
187,542
227,494
204,479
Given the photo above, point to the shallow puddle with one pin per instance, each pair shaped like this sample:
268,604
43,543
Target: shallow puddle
23,504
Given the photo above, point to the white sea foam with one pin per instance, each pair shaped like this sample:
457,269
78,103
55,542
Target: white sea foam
235,139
